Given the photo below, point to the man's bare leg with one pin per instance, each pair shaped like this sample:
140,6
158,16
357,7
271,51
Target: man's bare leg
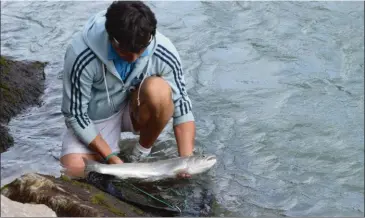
73,164
155,110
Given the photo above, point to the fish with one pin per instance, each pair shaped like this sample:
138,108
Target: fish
153,171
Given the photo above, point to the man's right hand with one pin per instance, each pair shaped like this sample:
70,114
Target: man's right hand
115,160
100,146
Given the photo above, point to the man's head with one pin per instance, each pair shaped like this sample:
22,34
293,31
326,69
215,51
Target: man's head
131,26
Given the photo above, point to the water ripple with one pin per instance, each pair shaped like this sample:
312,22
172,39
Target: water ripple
277,90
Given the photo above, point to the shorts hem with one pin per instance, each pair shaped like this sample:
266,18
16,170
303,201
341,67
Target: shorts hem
82,151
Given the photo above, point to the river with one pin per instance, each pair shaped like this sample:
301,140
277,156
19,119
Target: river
277,91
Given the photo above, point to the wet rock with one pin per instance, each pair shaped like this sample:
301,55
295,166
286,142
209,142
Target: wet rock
68,197
21,85
11,208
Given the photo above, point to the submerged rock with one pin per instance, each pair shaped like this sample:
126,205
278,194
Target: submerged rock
21,85
68,197
11,208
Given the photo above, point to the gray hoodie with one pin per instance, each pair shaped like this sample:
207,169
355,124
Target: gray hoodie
93,89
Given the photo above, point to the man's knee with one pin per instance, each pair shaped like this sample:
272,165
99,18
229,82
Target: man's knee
74,165
156,92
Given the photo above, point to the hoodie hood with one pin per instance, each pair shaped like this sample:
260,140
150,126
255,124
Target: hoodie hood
96,38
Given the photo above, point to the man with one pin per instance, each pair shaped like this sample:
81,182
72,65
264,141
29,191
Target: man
122,75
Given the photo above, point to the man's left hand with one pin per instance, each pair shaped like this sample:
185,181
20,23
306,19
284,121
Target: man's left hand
183,175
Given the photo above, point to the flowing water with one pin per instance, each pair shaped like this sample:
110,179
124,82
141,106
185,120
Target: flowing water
277,91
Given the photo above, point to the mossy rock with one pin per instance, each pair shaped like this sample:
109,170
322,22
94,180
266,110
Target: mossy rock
4,188
21,85
6,139
3,61
4,65
68,197
100,199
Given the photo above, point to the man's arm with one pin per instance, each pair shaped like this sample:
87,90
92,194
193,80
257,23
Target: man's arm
183,118
185,138
77,82
99,145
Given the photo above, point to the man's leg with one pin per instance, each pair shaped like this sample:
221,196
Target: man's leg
155,110
73,164
73,150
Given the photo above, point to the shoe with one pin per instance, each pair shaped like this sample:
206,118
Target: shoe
136,155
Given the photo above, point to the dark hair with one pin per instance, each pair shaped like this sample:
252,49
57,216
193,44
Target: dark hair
131,23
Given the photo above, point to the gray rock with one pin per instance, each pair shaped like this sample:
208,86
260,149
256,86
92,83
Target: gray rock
11,208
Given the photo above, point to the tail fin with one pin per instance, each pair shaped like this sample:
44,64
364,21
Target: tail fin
90,166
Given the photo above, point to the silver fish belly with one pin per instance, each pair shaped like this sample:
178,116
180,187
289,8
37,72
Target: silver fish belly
153,171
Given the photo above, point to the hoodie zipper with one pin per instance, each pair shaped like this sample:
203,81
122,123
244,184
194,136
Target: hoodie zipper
110,100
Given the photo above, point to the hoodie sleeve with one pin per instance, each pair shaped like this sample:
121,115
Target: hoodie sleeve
173,74
77,81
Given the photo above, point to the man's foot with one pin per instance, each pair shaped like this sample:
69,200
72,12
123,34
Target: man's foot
138,153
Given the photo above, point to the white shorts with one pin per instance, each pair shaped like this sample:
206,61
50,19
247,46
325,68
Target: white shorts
109,128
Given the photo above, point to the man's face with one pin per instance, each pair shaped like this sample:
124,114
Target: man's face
126,55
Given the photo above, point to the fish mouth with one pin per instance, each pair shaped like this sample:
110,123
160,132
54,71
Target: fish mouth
203,164
212,158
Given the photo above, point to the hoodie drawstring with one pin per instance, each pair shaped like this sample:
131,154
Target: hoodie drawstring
140,86
106,85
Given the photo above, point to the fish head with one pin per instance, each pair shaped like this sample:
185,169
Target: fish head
199,164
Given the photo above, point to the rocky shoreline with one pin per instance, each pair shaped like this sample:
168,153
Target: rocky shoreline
66,198
21,85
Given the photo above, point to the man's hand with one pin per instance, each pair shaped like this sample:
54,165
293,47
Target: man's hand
99,145
183,175
115,160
